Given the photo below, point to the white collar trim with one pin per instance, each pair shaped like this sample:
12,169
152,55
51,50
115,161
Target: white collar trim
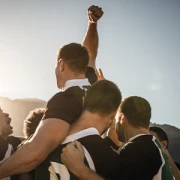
80,134
76,82
136,136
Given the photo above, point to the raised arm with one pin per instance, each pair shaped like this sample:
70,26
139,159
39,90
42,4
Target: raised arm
91,40
73,157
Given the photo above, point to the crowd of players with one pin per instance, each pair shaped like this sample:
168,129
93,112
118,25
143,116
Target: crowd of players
64,140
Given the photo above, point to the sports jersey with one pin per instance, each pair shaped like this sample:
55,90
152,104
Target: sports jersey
98,156
111,143
142,158
67,105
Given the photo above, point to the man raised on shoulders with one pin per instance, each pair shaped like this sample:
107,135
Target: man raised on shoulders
100,106
62,110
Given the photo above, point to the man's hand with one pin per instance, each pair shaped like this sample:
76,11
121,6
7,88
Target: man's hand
73,157
94,14
111,133
99,75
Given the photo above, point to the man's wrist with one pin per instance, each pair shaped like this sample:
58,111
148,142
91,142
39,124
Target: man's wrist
80,171
92,23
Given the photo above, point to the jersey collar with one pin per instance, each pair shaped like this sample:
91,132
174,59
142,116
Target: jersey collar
80,134
136,136
76,82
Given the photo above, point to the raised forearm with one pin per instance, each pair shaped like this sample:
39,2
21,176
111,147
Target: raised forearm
91,42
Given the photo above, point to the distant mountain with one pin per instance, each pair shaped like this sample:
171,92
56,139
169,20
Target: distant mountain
20,108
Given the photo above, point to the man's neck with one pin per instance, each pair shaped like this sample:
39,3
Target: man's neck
132,132
70,76
75,76
85,121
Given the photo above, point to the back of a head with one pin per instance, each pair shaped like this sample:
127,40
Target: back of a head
103,98
137,110
162,136
32,121
75,56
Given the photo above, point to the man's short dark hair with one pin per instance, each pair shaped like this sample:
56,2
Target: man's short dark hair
160,133
137,110
75,56
103,97
32,121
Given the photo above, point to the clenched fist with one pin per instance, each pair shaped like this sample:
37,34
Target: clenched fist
94,13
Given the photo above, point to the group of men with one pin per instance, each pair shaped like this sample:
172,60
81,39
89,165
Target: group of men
85,108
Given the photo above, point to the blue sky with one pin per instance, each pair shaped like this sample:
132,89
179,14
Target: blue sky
139,48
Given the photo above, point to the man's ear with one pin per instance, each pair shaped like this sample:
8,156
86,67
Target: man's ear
164,143
122,119
113,116
61,65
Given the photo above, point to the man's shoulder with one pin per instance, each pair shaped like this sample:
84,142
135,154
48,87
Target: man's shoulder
143,147
98,148
66,105
72,91
140,158
96,139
